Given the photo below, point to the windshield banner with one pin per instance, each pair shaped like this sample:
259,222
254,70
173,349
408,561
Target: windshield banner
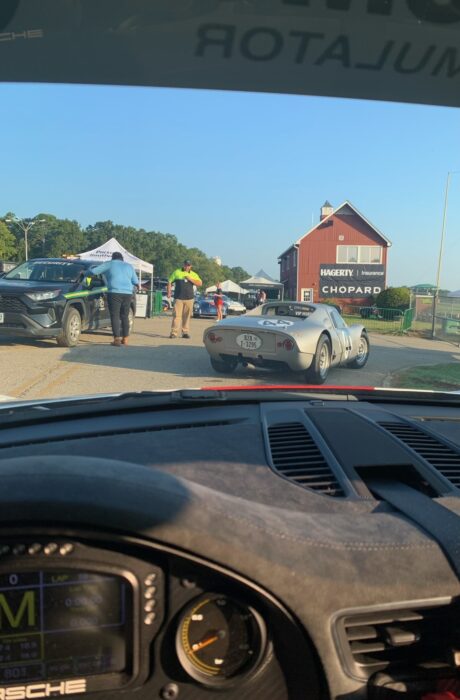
373,49
351,281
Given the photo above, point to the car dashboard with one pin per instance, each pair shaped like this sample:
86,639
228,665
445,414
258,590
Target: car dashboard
233,550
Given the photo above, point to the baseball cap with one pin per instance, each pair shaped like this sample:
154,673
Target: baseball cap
187,262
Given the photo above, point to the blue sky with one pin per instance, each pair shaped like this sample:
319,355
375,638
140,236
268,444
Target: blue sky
238,175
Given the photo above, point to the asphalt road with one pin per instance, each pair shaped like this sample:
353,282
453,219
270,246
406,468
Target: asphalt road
32,369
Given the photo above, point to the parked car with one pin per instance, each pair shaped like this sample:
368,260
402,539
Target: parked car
234,307
306,338
383,314
250,300
204,307
54,298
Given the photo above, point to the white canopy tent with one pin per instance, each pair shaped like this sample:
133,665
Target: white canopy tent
104,252
263,281
229,286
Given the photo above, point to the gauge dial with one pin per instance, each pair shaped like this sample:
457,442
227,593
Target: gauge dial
219,639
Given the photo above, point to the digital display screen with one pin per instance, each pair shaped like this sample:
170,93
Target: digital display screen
56,624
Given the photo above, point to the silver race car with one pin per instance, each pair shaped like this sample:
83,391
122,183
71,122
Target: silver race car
304,337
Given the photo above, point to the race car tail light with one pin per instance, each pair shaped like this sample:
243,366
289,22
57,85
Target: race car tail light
214,338
286,344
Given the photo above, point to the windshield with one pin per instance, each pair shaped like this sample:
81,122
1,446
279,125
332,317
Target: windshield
272,198
292,310
46,271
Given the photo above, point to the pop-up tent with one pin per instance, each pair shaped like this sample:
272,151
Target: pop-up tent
263,281
228,286
104,252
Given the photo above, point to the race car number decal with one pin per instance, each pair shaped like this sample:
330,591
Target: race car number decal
275,323
248,341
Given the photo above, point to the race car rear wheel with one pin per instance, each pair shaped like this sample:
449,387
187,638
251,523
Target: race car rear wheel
319,368
223,366
363,353
71,329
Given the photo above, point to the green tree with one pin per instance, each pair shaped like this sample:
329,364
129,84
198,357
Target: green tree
394,298
237,274
56,237
8,245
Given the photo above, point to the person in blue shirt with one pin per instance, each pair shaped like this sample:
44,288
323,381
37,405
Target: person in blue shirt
121,280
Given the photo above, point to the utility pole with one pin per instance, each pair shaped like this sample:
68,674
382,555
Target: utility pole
441,249
25,225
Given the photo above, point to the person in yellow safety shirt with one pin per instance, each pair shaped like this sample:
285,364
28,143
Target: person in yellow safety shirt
184,282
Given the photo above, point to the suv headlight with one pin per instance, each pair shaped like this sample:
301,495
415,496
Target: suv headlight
43,296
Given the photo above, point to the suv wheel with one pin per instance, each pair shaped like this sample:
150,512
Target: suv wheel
71,329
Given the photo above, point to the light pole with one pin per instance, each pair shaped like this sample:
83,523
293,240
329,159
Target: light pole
441,248
25,225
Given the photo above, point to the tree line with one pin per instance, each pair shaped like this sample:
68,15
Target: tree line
50,237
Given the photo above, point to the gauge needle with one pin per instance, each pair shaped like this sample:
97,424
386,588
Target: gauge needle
204,643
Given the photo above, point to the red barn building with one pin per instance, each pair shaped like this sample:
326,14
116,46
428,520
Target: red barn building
343,257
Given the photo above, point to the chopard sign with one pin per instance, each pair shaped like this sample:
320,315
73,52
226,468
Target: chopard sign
351,281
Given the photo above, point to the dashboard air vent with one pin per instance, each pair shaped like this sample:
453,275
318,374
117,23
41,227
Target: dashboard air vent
442,457
407,637
296,456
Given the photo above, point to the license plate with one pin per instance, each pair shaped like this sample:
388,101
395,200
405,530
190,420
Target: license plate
2,318
249,341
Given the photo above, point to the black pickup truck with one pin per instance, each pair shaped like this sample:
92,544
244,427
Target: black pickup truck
54,298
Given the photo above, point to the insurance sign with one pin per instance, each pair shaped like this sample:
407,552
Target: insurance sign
351,281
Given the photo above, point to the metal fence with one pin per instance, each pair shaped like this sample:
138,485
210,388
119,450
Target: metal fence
378,319
447,319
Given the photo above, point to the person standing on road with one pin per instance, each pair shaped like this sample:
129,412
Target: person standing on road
219,303
184,281
121,279
261,297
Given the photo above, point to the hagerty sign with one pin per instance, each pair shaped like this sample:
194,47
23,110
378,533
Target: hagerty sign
351,281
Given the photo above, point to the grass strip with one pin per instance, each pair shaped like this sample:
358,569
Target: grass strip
445,377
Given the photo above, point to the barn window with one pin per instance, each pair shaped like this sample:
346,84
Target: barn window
359,254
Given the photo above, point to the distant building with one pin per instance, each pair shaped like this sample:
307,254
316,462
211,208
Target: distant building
217,260
423,289
342,257
7,266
